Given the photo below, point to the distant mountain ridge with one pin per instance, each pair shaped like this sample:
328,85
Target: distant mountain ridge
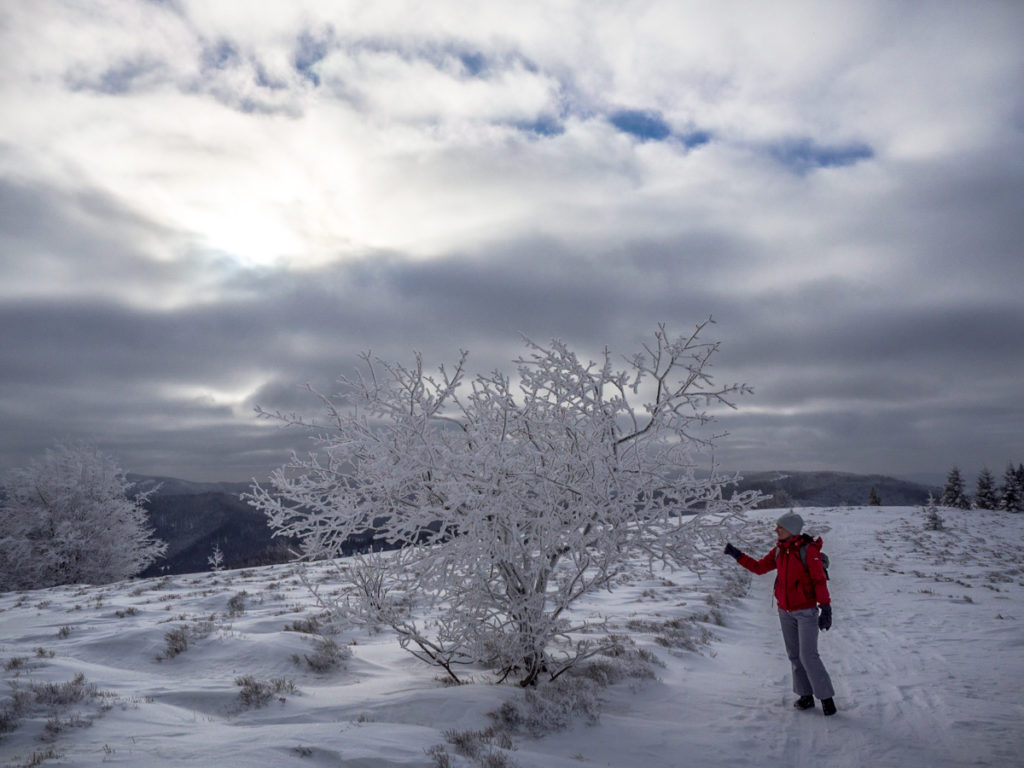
834,489
194,517
172,486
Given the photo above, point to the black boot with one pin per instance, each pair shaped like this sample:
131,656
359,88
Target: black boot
828,707
805,702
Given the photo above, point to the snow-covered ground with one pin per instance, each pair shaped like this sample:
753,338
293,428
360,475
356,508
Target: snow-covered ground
927,656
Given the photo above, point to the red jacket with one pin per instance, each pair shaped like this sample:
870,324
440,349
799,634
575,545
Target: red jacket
796,587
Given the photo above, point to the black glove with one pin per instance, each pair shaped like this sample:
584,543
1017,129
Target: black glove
731,551
825,618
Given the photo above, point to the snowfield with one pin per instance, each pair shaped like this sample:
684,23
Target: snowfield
221,669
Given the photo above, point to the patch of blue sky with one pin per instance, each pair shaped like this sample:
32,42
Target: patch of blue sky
473,63
220,55
805,155
693,139
310,51
641,124
647,125
545,126
265,80
124,77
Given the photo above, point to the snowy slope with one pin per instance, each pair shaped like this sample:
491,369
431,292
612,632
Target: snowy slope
927,655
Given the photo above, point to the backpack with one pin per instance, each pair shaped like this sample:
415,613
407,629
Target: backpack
807,540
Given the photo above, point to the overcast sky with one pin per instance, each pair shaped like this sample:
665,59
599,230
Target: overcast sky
205,204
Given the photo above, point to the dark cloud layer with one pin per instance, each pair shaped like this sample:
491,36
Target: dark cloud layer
899,388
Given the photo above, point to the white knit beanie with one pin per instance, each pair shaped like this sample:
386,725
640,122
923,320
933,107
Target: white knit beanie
792,522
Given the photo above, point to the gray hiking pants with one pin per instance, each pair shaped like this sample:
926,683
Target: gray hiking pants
800,631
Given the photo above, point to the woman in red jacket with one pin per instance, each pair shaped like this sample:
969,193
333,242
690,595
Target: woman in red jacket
800,589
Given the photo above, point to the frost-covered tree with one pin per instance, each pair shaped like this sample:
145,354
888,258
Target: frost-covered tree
508,499
68,519
216,559
985,496
953,493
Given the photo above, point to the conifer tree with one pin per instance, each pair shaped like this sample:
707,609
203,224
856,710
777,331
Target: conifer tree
1012,491
986,497
874,499
933,520
953,493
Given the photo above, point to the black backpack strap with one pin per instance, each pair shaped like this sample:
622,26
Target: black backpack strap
803,556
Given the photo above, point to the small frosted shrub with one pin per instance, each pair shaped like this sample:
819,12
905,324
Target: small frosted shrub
608,671
309,626
466,743
63,694
327,655
236,605
12,710
258,693
440,756
494,759
51,697
484,748
175,642
56,725
550,707
38,758
684,633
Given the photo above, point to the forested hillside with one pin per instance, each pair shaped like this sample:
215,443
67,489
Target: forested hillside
834,489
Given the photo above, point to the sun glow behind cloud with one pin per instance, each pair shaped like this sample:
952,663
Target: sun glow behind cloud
307,143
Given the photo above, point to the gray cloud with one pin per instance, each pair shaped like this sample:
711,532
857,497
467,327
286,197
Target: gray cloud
203,216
